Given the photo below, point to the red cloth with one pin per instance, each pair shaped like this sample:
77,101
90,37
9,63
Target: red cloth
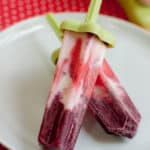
3,148
12,11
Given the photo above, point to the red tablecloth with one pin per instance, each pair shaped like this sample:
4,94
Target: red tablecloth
12,11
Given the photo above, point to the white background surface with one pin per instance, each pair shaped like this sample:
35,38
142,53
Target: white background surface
26,69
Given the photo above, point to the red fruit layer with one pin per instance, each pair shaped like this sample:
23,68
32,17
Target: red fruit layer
71,90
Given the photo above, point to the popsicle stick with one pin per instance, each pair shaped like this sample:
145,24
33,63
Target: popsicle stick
55,25
93,11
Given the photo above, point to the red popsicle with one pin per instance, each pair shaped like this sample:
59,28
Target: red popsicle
76,72
112,106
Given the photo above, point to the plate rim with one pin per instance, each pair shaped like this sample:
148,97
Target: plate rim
111,18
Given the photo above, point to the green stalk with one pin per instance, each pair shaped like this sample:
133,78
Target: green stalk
91,16
55,25
93,11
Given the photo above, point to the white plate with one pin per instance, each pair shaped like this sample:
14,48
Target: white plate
26,68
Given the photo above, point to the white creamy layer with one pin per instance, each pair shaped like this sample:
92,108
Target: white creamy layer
92,51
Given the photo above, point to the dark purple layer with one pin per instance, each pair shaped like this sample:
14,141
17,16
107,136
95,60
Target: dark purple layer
114,119
117,114
60,127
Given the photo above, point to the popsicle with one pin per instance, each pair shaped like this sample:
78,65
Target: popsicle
81,55
112,106
110,103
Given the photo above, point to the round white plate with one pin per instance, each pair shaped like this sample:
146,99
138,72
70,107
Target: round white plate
26,69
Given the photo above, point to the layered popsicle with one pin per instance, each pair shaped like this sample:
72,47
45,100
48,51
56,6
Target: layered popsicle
72,86
76,72
111,105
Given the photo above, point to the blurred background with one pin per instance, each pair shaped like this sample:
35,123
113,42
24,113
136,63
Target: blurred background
12,11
